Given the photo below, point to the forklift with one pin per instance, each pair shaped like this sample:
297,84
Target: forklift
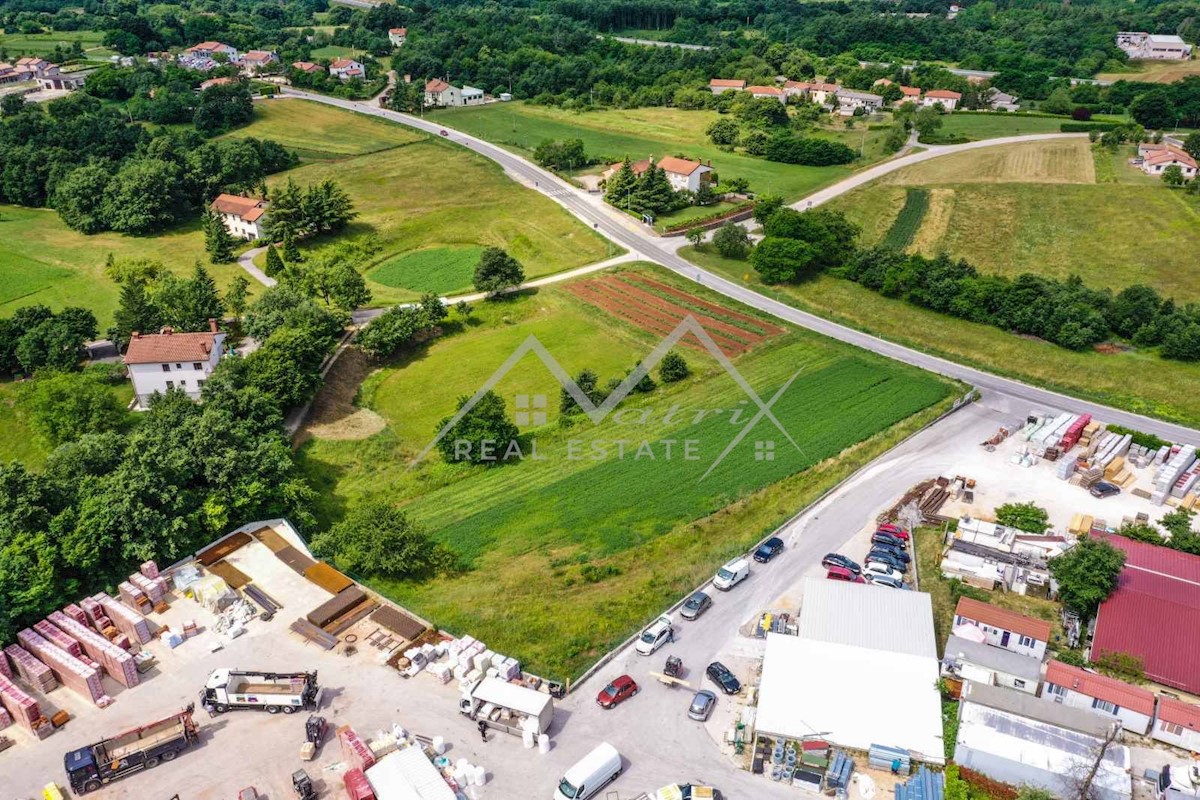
303,785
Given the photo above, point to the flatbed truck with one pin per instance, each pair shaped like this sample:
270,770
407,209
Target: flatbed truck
91,767
232,689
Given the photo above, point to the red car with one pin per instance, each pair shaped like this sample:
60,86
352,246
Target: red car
894,530
843,574
617,692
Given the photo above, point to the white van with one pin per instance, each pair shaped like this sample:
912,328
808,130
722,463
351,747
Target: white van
732,574
591,774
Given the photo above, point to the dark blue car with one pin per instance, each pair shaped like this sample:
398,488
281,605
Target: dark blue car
768,550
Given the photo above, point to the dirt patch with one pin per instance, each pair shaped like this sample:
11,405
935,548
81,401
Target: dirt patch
359,425
333,414
936,223
1111,348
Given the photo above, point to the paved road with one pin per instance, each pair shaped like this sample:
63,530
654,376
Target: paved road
246,262
622,230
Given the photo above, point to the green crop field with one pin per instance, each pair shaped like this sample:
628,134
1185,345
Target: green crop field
42,44
566,556
321,132
641,132
438,269
995,125
904,229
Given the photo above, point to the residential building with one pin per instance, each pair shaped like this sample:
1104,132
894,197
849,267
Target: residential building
1142,46
947,98
909,94
8,74
346,68
307,66
440,93
795,89
997,100
472,96
1016,739
849,101
821,93
1177,723
168,360
55,79
244,217
33,67
773,92
1154,613
1003,628
214,49
970,660
720,86
1156,159
397,36
258,61
1078,688
685,174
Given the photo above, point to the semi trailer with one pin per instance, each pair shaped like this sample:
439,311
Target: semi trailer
89,768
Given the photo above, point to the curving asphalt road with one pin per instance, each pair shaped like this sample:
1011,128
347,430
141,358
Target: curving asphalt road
621,229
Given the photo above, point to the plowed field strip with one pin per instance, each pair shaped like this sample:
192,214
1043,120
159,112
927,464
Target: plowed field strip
766,328
665,308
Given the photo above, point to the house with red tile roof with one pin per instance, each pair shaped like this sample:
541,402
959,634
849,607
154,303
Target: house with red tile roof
307,66
682,173
1177,723
213,49
1154,613
773,92
911,94
721,85
1155,161
347,68
1078,688
948,99
397,36
1003,628
441,93
244,217
159,362
257,61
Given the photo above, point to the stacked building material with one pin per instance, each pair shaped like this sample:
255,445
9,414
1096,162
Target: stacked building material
1169,473
1116,472
5,669
1186,481
149,569
5,718
1090,431
76,613
357,785
115,661
1065,469
23,708
1090,477
58,638
354,749
128,622
70,671
134,597
29,669
151,589
1074,432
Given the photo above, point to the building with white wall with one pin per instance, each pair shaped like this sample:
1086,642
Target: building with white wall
1078,688
158,362
1003,628
969,660
1143,46
244,217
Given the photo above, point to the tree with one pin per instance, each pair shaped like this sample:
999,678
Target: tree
618,191
286,221
1059,102
497,272
927,122
1178,522
1133,308
1192,145
828,232
237,296
326,208
78,198
63,406
765,206
653,193
732,240
754,141
188,305
588,383
392,329
135,313
218,242
484,435
1173,176
695,236
145,195
347,288
673,368
723,132
376,538
1024,517
1087,575
1154,109
778,260
274,264
287,366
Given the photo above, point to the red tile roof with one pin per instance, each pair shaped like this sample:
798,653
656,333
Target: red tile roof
943,94
1170,155
730,84
343,63
679,166
822,87
771,90
1179,713
207,46
436,85
399,31
1102,687
248,208
161,348
910,91
1154,613
306,66
259,55
1003,618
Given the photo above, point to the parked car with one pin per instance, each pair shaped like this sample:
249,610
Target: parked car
1104,489
617,692
898,552
894,530
768,550
883,537
656,635
839,560
887,559
703,703
732,574
695,605
874,568
842,574
883,580
719,674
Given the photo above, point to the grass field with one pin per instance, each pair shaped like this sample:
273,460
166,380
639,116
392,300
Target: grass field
1155,71
908,221
1118,380
568,556
638,133
1054,161
321,132
994,125
335,51
42,44
438,269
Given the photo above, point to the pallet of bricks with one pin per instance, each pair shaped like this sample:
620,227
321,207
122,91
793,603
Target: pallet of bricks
22,709
116,662
354,750
1173,475
70,671
130,623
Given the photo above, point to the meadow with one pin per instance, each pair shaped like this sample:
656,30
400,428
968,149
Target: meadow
613,539
611,135
324,133
1155,71
42,44
991,125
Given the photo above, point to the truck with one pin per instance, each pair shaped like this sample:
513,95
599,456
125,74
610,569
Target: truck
89,768
507,706
234,689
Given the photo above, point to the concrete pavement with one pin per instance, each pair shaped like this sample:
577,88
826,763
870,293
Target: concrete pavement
246,262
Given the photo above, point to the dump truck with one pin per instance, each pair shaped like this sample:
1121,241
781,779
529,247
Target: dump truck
507,706
233,689
89,768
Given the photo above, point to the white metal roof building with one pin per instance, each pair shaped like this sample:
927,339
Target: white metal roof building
863,671
408,774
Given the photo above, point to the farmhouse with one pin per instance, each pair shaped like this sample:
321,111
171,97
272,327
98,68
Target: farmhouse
684,174
968,658
947,98
213,49
821,93
32,67
1145,46
440,93
1001,101
1177,723
849,101
720,85
244,217
307,67
397,36
1078,688
773,92
909,94
257,61
346,68
1156,159
1003,628
167,360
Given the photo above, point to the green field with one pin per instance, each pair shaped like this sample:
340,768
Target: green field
908,221
437,269
993,125
335,51
321,132
1120,380
42,44
1155,71
567,556
641,132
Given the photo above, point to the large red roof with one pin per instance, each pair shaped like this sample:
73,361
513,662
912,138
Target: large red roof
1123,694
1003,618
160,348
1154,614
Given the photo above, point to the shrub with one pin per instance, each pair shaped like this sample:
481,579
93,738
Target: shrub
673,368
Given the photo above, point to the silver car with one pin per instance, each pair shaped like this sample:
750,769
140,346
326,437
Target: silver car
695,605
703,703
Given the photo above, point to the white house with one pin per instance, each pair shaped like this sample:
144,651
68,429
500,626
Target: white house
848,100
773,92
1078,688
440,93
909,94
214,49
684,174
1157,157
721,85
1141,45
972,660
1004,628
947,98
346,68
244,217
822,93
1177,723
472,96
160,361
257,61
397,36
54,78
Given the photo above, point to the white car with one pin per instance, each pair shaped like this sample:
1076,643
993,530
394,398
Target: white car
655,636
875,568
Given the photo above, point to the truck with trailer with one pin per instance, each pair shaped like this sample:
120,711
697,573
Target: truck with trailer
89,768
507,706
233,689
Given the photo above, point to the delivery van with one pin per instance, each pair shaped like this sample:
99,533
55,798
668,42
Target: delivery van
732,574
592,773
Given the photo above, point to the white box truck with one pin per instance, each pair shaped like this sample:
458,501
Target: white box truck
507,706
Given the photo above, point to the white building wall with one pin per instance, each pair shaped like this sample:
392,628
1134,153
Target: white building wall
1176,735
150,379
1131,720
241,228
1009,640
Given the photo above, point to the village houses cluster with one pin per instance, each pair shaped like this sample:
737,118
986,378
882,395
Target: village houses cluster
844,101
47,74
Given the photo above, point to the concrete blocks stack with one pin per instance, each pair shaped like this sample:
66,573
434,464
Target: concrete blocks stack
115,661
23,708
149,569
1169,473
152,589
30,670
128,622
58,639
72,673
